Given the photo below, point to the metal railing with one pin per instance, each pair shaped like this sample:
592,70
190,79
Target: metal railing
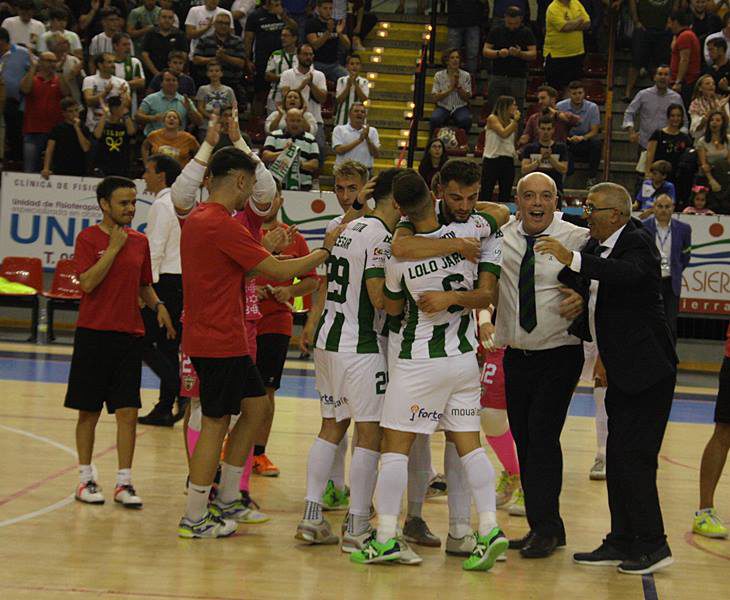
608,116
419,98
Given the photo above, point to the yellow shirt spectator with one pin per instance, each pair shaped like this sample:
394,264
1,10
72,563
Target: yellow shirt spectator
559,43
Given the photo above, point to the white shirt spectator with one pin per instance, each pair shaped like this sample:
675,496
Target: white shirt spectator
73,40
442,82
163,234
101,43
199,16
343,108
137,71
346,134
714,36
292,78
279,61
246,7
69,66
24,34
96,83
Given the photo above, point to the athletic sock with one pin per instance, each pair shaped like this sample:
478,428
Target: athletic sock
504,447
319,466
419,474
197,501
363,475
389,493
86,473
480,475
459,498
244,482
599,396
337,472
228,487
193,437
259,450
124,477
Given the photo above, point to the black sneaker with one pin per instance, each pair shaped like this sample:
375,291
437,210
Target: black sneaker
158,416
648,563
603,556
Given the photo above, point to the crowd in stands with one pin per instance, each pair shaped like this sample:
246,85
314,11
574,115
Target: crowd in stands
92,86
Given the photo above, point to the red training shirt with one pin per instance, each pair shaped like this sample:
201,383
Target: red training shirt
216,252
686,40
276,317
113,304
43,105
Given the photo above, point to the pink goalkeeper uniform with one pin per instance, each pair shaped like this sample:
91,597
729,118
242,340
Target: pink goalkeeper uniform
492,378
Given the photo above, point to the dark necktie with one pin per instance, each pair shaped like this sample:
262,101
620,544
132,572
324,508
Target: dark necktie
598,250
528,312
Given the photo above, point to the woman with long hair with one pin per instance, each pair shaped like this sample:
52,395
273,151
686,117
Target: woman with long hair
171,140
705,99
498,164
433,159
712,148
293,99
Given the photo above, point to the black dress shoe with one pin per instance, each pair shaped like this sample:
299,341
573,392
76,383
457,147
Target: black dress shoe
648,563
539,546
522,542
603,556
158,416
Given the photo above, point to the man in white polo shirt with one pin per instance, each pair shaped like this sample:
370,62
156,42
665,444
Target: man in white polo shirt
356,140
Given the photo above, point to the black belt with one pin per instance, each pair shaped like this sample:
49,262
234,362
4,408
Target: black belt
523,352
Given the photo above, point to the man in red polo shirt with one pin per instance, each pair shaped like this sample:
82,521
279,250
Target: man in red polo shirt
686,54
114,270
217,252
43,91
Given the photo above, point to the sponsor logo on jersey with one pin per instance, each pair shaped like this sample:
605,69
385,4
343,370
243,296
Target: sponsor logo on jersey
465,412
418,412
326,399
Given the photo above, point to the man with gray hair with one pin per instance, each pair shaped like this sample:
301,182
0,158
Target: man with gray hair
543,360
626,319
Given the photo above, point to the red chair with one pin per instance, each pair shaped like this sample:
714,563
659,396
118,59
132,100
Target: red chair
595,90
595,65
28,271
462,141
479,148
65,293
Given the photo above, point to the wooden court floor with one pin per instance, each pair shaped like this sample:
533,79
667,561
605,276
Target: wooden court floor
53,547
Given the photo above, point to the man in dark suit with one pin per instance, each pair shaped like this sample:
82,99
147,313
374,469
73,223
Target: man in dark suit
673,239
627,320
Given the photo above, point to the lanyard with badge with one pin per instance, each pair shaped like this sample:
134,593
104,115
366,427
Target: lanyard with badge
662,242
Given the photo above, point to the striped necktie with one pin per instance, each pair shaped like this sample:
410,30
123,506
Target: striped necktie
526,287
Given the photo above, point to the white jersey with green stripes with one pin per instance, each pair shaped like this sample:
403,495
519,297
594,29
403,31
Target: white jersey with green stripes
450,332
349,322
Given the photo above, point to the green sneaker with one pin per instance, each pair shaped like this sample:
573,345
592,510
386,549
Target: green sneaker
375,552
335,498
709,524
488,548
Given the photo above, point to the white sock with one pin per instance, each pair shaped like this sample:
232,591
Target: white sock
124,476
197,504
459,498
363,475
599,396
319,465
480,475
419,473
86,473
337,472
228,489
389,493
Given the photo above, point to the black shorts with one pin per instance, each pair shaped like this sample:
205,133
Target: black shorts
271,356
224,382
106,368
650,48
722,406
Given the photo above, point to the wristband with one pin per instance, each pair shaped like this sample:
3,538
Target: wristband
203,154
157,305
357,205
484,316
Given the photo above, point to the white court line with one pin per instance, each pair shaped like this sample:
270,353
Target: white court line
52,507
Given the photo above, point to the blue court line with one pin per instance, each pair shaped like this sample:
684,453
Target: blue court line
647,582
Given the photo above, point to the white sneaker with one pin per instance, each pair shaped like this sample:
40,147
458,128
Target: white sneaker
506,487
354,542
314,532
127,496
239,512
210,526
407,555
517,507
89,493
598,470
465,546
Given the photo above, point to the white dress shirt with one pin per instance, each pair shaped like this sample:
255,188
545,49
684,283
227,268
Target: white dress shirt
163,234
292,79
342,135
552,329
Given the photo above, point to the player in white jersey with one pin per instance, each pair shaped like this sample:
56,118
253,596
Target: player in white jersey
435,380
351,370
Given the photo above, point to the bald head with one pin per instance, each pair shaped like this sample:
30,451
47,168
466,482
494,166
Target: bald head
294,121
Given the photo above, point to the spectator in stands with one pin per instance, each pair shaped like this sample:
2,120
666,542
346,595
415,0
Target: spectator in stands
704,22
171,140
68,144
312,84
158,43
498,164
154,107
651,42
57,26
686,55
104,41
360,22
546,155
128,67
98,88
293,99
326,38
563,121
583,142
698,202
24,30
434,157
299,11
704,101
451,92
224,48
297,177
654,186
464,20
669,144
356,140
240,10
650,106
673,240
67,64
213,96
114,133
199,22
92,15
176,62
719,66
15,62
712,152
280,61
511,46
350,89
724,33
566,20
142,20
